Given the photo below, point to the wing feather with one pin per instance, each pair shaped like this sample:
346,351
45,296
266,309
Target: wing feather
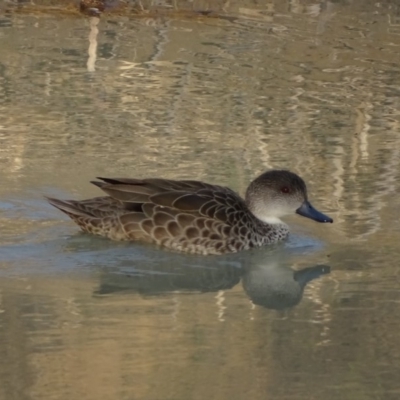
186,215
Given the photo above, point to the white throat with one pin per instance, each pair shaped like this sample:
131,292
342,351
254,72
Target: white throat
267,218
268,215
271,220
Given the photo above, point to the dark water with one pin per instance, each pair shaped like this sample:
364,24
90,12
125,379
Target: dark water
312,87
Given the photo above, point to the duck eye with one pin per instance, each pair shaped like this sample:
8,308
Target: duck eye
285,189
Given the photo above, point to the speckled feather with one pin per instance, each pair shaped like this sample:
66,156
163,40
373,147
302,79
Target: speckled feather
186,216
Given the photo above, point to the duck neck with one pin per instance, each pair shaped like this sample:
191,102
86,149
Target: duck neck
262,215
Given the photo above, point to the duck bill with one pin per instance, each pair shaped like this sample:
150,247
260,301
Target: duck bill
308,211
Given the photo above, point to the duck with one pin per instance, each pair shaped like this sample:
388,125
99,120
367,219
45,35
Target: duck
191,216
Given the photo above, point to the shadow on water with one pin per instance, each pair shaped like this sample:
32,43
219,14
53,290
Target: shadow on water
268,281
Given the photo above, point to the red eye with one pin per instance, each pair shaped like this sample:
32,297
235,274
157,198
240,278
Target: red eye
285,189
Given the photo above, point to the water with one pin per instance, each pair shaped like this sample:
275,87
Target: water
308,86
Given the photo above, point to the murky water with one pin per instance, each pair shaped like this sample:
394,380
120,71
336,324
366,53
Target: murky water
312,87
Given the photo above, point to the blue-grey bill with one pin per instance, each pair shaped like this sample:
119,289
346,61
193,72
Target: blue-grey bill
308,211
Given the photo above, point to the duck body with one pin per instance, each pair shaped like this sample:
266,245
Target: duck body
192,216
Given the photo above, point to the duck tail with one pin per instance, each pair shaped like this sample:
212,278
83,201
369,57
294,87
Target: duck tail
69,207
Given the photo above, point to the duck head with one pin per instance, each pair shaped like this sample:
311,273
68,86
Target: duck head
277,193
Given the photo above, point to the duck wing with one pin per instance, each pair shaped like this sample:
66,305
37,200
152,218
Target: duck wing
186,196
189,216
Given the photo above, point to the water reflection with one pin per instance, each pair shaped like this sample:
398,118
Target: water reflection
267,280
92,51
278,286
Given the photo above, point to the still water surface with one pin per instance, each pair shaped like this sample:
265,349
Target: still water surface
312,87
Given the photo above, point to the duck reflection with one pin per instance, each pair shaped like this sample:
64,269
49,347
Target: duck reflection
278,286
269,283
172,278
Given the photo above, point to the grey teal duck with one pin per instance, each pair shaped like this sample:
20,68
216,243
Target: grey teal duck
192,216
